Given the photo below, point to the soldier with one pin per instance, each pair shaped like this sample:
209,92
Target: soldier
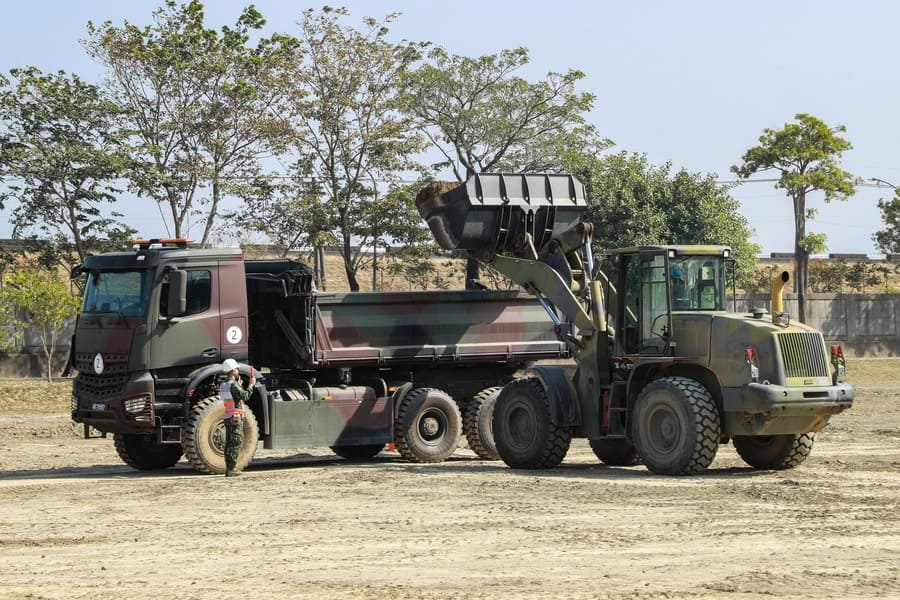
234,396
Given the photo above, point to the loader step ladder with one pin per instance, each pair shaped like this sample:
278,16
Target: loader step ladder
618,409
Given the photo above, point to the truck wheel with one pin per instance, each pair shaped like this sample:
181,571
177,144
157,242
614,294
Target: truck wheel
204,437
616,452
526,437
774,451
427,426
477,423
145,453
675,426
357,452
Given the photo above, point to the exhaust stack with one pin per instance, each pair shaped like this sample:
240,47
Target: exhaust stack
778,296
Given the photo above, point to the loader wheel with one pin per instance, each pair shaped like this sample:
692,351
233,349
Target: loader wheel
204,437
357,452
774,451
675,427
145,453
477,423
428,426
526,436
616,452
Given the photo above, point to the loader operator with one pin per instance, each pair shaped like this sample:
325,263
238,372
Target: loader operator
234,395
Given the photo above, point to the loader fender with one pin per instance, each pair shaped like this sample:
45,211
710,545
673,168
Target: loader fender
557,381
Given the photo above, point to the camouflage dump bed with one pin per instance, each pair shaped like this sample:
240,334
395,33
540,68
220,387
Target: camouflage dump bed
295,327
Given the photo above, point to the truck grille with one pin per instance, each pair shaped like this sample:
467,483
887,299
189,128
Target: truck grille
803,354
90,387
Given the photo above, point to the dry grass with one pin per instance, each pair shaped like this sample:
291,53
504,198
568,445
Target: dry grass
33,396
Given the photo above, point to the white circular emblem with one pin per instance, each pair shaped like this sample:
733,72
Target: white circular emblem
234,335
98,364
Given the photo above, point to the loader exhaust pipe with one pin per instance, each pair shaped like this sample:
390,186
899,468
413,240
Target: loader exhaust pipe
778,296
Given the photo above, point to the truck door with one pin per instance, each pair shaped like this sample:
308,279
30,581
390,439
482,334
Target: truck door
195,337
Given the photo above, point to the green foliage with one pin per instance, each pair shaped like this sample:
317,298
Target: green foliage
888,239
481,117
828,276
203,107
806,155
347,129
634,203
36,297
60,157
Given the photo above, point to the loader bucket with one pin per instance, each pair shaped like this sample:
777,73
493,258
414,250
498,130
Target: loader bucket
491,213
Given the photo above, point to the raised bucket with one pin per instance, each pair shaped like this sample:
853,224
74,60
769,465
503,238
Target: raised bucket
492,212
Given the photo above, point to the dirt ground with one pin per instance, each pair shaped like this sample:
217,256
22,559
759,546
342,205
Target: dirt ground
77,523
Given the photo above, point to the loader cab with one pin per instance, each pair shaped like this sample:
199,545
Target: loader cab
652,282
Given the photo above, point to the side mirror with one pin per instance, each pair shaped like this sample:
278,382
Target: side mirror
177,293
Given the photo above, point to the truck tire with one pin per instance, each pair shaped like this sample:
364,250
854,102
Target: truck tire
477,423
774,451
357,452
204,437
428,426
526,436
145,453
616,452
676,427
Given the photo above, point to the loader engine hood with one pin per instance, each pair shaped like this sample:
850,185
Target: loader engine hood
794,355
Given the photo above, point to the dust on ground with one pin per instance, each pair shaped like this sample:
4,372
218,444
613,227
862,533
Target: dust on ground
78,523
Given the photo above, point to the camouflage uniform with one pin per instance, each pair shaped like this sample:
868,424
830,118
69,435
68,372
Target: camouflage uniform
234,426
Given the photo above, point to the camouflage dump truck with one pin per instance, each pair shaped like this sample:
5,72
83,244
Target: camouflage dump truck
663,373
350,371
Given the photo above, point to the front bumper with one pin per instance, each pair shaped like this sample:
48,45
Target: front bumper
760,409
759,397
126,408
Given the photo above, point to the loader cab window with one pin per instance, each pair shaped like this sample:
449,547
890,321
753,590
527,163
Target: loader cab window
122,292
643,324
199,293
655,325
698,283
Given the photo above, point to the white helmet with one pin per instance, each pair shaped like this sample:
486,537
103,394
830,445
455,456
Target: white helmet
229,365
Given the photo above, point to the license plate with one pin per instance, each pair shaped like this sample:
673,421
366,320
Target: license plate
98,406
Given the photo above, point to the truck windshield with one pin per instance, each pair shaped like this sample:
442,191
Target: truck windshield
698,282
122,292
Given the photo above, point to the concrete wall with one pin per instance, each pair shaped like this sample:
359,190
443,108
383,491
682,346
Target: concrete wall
866,325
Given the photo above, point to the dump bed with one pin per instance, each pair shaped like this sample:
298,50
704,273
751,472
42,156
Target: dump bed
293,326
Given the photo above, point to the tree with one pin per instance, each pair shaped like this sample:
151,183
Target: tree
634,203
204,107
348,132
37,298
480,116
807,155
60,155
888,239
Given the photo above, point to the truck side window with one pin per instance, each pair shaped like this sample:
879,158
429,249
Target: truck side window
199,293
199,288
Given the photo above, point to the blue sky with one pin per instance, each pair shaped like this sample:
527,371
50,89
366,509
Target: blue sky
691,82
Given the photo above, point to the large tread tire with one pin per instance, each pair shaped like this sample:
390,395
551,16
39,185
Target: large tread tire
526,436
477,423
428,426
776,452
676,426
144,453
358,452
204,437
616,452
